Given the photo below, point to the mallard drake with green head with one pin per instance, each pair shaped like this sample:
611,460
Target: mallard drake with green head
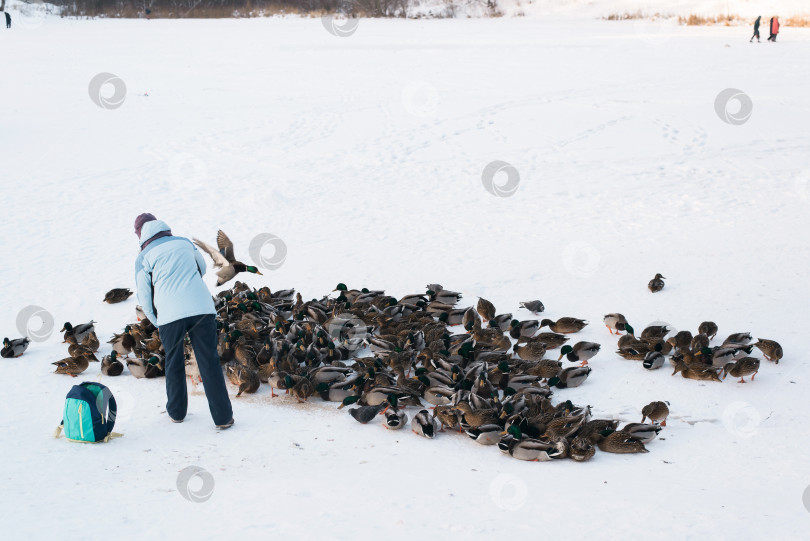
330,374
565,325
653,360
440,376
146,367
364,414
350,294
395,419
110,365
531,449
14,348
615,322
299,386
444,296
123,343
517,382
629,339
581,352
501,321
483,387
423,424
486,434
116,295
382,393
453,317
224,259
641,431
571,377
79,331
523,329
336,392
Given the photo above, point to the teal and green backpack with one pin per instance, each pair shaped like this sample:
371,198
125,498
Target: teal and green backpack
89,414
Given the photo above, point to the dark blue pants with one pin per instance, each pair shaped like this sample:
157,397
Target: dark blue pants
202,330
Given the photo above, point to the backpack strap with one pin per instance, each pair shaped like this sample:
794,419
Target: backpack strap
108,437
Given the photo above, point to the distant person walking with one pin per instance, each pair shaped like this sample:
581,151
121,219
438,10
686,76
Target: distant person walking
756,30
8,19
774,29
168,273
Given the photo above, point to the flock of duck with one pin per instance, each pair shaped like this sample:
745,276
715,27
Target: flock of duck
492,379
381,355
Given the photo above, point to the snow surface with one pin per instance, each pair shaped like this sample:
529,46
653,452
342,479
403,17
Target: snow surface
365,154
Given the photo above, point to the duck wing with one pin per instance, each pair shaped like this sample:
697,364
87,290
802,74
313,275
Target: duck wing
225,246
219,259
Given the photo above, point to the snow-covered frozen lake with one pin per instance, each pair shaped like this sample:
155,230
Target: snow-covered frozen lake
365,155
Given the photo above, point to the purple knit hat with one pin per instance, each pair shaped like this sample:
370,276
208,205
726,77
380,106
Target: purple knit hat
142,219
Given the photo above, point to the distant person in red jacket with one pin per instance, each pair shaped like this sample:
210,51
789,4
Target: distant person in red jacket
774,29
756,30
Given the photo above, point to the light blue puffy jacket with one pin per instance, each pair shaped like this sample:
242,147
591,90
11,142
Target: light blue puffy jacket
168,276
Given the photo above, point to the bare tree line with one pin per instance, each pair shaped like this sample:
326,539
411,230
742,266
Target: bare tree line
227,8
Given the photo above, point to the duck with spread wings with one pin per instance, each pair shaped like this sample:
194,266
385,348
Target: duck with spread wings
224,259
